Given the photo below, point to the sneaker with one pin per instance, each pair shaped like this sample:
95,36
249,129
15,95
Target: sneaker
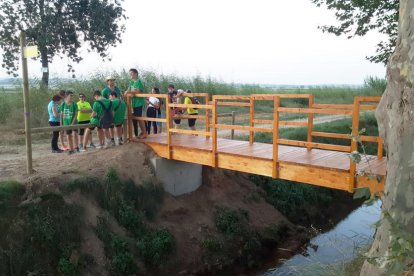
82,150
80,146
71,152
57,151
77,149
112,143
120,142
92,145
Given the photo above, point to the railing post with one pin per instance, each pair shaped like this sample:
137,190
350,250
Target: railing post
354,143
310,122
251,123
167,125
214,134
129,117
233,121
276,104
380,148
207,115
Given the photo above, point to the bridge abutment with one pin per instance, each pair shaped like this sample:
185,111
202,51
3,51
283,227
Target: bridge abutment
177,177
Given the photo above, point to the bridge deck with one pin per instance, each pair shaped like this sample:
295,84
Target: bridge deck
319,167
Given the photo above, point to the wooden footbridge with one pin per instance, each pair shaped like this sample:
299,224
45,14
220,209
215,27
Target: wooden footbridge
326,165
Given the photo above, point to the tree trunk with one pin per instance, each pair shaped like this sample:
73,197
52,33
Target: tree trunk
45,68
395,115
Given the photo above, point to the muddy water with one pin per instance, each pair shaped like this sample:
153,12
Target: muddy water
331,249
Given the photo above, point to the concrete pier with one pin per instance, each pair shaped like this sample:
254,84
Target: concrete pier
177,177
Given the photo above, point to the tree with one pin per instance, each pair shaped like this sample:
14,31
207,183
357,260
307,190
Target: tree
358,17
59,28
393,247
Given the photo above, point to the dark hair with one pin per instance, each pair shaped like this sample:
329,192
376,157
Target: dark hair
69,93
133,70
171,86
156,90
62,93
188,91
82,95
97,93
114,94
56,98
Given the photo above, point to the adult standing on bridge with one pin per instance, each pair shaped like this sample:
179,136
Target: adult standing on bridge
191,111
111,87
135,88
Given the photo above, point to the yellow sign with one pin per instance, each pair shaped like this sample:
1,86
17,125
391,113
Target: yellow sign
31,52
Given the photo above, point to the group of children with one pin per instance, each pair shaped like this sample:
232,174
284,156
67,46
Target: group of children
107,114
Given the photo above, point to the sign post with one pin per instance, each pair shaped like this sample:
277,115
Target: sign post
26,104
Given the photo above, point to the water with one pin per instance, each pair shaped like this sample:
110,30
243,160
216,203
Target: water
337,246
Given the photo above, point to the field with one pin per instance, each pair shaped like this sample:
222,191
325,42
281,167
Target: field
11,101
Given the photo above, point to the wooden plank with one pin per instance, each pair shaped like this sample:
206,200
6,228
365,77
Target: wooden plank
344,106
314,110
168,124
281,96
275,138
354,145
233,104
199,106
364,99
316,176
313,144
214,132
192,155
251,123
163,96
372,183
310,123
226,97
188,131
331,135
159,149
244,164
380,151
207,114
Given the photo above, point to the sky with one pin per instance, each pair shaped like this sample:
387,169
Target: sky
241,41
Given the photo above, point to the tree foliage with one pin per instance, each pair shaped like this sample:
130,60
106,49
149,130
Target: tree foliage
59,28
358,17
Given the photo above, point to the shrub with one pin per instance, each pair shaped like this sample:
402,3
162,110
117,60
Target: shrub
155,246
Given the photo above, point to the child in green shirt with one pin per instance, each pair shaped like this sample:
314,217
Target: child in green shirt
68,115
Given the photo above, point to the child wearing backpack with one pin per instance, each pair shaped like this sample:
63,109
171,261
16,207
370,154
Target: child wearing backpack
102,118
191,111
68,115
119,108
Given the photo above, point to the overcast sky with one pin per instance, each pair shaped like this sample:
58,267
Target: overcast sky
243,41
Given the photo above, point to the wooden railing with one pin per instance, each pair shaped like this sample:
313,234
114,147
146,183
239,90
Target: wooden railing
351,110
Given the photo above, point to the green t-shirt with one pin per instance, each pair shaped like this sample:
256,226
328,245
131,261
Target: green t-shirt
107,91
82,117
137,102
97,108
119,108
68,112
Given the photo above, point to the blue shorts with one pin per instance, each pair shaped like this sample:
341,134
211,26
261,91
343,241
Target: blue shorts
137,111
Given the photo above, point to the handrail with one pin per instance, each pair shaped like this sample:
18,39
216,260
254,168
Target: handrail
212,126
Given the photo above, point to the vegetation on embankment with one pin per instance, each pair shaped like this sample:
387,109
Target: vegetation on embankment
90,225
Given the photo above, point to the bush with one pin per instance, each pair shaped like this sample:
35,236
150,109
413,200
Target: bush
231,223
154,247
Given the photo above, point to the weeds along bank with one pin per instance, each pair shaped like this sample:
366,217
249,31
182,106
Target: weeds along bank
11,102
98,216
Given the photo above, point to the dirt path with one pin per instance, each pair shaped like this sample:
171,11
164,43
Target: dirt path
13,157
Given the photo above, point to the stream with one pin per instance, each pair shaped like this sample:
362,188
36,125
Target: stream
327,252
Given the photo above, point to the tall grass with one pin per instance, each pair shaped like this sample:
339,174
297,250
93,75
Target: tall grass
11,102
